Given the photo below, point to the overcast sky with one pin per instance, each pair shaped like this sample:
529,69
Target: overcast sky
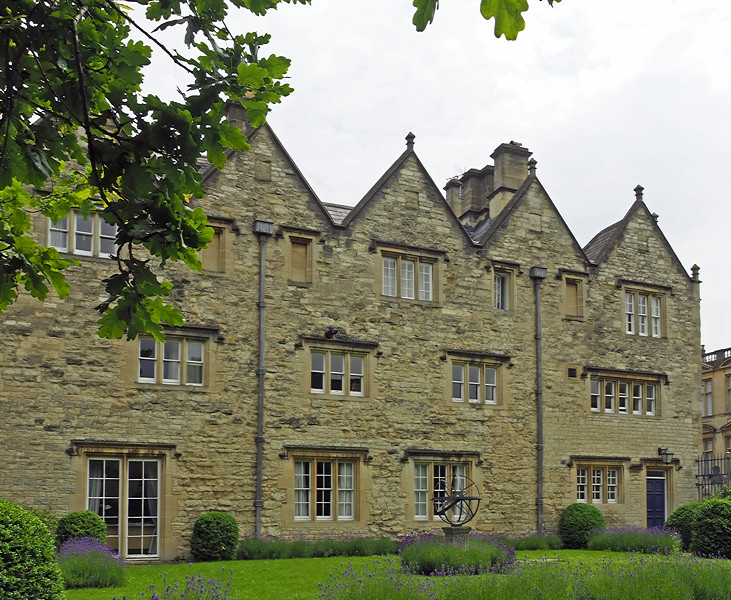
605,93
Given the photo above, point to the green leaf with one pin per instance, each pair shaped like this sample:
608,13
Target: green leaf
507,14
425,11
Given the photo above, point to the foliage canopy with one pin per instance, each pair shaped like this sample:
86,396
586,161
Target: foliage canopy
77,134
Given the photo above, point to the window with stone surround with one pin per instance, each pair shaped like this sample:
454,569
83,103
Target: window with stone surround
299,254
707,391
432,479
431,474
325,484
624,393
475,377
213,256
408,272
599,483
643,313
124,485
176,361
338,368
84,236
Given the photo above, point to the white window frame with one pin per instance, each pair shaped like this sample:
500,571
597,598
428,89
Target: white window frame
643,313
623,395
407,276
143,528
352,374
598,483
100,232
430,480
173,361
503,297
325,489
475,382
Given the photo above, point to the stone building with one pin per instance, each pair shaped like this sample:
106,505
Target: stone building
341,367
714,468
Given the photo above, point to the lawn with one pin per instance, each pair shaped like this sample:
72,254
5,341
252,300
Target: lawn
283,579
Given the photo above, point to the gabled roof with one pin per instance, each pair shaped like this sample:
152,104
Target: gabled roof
601,245
208,170
390,172
485,230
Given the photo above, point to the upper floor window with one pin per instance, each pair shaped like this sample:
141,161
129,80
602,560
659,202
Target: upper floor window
409,277
728,392
300,269
86,236
643,314
212,257
474,382
503,295
339,373
707,389
619,396
177,361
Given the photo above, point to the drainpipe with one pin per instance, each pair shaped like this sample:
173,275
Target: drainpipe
538,274
262,229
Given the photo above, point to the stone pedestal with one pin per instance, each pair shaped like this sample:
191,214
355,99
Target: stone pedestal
457,536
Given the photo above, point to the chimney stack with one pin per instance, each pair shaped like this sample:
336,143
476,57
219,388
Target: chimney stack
511,170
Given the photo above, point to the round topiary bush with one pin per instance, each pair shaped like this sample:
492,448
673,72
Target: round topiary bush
682,520
81,524
28,566
215,536
712,529
577,521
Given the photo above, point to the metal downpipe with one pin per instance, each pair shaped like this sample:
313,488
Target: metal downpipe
538,274
263,229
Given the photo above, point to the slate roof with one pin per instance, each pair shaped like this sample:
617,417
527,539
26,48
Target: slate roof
338,212
602,242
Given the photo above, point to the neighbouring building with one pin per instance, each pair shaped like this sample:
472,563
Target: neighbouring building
714,467
341,367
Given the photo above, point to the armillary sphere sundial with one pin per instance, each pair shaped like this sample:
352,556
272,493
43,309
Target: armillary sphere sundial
459,501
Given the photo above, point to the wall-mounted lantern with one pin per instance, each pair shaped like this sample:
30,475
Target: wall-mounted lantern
666,455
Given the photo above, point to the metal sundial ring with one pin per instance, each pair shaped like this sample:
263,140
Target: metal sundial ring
458,502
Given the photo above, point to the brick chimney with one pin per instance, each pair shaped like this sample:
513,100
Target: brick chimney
510,171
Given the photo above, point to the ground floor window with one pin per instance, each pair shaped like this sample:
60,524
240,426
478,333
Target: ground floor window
433,480
324,490
125,492
598,484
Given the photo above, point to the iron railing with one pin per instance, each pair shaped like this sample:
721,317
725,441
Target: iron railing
713,473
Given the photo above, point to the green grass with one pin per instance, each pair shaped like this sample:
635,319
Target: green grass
281,579
288,579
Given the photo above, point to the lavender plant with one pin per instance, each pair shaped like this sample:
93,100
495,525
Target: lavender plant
645,540
195,587
88,563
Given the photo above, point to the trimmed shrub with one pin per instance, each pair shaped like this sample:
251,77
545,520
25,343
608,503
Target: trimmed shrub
577,521
712,529
215,536
28,566
46,517
682,520
80,524
88,563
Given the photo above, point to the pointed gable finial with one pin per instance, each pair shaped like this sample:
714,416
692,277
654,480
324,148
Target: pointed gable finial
638,192
695,269
410,142
532,167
